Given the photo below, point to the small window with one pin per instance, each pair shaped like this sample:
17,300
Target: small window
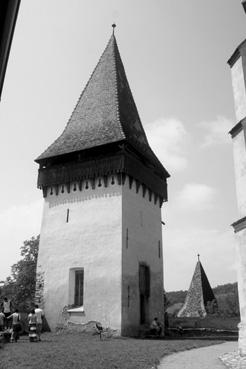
159,249
79,288
67,219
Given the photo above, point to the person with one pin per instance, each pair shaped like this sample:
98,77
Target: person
32,322
166,323
2,319
99,329
40,315
155,327
15,325
7,307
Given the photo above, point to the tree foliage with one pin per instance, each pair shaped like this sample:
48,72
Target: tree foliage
20,286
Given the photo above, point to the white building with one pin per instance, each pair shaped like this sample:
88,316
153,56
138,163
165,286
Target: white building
237,63
101,240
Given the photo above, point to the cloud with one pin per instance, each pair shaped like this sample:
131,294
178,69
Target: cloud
217,255
216,132
18,223
167,138
195,197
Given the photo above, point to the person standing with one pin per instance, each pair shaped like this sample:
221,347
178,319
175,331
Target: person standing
15,325
40,315
7,306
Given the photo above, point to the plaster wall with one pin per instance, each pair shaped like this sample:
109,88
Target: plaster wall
241,275
238,84
91,239
239,148
141,240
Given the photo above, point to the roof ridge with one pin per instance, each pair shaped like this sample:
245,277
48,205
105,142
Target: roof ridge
116,86
118,57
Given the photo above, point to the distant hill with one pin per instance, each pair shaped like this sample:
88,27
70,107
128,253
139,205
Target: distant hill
226,295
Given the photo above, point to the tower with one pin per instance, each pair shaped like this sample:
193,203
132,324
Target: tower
237,63
101,243
200,299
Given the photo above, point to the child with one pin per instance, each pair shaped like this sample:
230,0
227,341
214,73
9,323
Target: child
32,321
2,318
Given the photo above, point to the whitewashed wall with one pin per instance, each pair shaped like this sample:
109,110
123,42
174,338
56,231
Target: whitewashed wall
239,151
142,219
90,240
238,84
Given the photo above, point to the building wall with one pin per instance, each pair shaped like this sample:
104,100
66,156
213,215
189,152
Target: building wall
241,277
239,151
91,239
238,84
141,239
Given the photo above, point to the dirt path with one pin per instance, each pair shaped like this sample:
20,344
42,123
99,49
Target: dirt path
202,358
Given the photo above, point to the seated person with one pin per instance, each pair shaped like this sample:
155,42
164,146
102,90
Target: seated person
155,327
99,329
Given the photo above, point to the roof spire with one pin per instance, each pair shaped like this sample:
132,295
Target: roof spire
198,296
113,25
244,4
198,256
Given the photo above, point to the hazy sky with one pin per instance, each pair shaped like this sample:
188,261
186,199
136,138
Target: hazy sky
175,55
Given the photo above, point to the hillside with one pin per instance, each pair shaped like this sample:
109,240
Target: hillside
226,295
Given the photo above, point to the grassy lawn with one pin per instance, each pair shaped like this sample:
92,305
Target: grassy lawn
83,351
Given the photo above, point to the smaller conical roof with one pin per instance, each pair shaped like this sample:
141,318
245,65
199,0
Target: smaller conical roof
199,295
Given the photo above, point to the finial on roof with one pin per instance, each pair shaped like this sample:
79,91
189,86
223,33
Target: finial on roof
198,255
113,25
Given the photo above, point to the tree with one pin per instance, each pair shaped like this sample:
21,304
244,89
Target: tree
20,286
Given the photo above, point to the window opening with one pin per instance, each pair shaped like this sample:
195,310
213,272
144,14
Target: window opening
144,291
79,288
67,216
128,296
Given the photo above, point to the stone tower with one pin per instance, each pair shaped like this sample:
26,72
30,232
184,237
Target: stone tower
103,187
200,299
237,64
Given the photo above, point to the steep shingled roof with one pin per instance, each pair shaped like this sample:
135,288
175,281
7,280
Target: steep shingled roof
199,297
105,112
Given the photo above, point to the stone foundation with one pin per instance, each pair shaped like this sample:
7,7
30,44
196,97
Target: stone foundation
233,360
242,340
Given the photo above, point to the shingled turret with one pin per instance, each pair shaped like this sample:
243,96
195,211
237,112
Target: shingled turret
105,120
200,299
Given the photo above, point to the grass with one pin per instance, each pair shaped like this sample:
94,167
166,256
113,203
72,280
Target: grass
83,351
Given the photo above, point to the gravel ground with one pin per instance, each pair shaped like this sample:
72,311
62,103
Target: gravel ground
200,358
232,360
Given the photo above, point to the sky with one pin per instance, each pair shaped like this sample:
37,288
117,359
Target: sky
175,55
